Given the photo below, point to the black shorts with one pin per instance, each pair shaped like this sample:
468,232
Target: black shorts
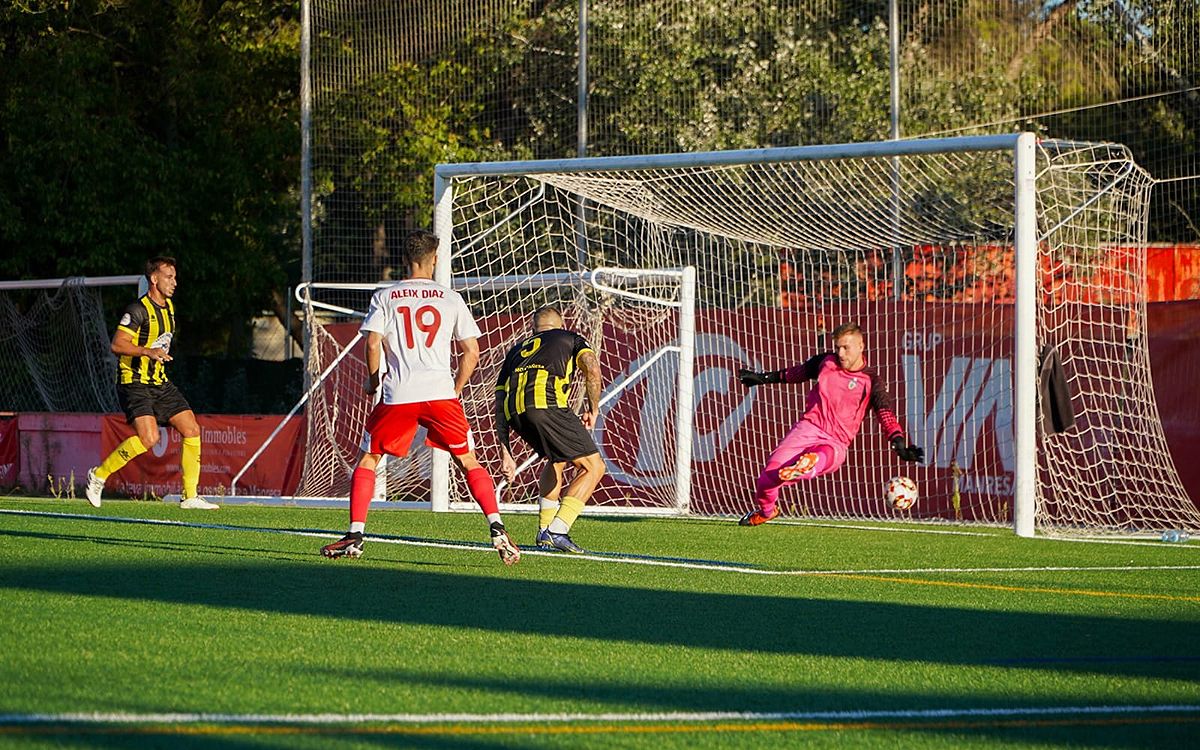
556,434
159,401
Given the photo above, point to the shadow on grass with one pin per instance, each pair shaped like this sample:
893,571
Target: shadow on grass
736,622
1148,729
185,739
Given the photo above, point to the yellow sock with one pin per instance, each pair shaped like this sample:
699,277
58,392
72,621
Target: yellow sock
124,453
190,464
546,510
568,510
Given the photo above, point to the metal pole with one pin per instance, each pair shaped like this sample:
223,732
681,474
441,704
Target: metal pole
894,60
581,135
581,102
306,241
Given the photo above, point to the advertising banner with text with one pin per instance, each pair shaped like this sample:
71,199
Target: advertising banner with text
951,378
226,443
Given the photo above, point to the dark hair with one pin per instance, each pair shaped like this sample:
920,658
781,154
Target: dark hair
157,262
845,329
418,246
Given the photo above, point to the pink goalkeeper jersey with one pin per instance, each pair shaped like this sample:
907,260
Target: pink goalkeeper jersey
838,403
418,319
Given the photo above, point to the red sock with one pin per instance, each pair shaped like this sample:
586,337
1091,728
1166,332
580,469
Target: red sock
362,488
479,482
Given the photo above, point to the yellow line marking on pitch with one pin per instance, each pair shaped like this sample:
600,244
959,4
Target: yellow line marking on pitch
1018,589
543,729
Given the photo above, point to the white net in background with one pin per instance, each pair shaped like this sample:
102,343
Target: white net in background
1113,469
595,303
54,349
784,253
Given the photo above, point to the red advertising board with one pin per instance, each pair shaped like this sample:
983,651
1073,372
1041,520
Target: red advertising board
950,374
226,443
10,451
951,380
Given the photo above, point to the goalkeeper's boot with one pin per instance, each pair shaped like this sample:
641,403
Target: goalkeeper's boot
197,503
350,545
757,517
563,542
509,553
543,539
95,487
804,465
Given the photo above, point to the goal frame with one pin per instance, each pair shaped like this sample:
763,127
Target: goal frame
1022,146
440,478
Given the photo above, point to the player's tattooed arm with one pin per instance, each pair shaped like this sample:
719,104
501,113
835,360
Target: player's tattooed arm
590,364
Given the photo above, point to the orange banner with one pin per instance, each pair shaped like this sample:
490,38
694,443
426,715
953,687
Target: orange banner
226,443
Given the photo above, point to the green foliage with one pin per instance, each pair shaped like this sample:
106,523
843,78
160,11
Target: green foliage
135,129
379,140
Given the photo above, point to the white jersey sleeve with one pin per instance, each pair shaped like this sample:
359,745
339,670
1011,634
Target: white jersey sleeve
465,326
418,320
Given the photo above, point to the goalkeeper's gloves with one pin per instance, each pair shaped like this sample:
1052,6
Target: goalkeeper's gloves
751,378
907,451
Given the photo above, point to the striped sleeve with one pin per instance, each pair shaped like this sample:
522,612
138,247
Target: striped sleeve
883,406
808,370
132,319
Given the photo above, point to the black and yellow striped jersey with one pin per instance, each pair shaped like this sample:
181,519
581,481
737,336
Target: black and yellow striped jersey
153,327
536,373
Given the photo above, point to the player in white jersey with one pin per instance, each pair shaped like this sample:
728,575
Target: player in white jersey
413,323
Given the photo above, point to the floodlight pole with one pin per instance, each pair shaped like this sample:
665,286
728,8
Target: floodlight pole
894,63
306,239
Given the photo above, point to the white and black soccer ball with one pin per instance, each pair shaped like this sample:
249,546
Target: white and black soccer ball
901,493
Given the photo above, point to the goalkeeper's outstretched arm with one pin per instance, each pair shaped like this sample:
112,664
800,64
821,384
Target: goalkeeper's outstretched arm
882,405
808,370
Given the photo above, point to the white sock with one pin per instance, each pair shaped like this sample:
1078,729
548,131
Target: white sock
357,527
494,518
559,526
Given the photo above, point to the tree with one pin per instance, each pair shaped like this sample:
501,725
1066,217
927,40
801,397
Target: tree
143,128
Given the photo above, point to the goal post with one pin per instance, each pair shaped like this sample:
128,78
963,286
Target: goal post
55,343
964,259
336,408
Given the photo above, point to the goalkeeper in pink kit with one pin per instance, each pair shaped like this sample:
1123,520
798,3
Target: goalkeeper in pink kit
836,406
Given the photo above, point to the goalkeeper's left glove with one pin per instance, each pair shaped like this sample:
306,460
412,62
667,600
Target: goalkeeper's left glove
907,451
750,378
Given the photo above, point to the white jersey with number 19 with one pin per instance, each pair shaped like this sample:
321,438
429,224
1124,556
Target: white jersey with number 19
418,318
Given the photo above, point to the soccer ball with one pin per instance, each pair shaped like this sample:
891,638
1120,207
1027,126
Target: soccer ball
901,492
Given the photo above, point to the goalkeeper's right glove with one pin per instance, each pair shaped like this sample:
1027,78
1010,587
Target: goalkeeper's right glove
907,451
751,378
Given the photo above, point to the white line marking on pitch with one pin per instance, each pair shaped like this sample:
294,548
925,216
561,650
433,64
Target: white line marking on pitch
894,529
510,718
714,565
1130,542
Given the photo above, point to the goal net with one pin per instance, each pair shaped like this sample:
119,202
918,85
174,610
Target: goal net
610,306
963,260
54,345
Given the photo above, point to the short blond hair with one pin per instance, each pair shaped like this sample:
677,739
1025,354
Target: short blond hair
846,329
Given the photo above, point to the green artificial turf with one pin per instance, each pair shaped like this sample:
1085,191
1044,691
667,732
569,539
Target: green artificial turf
137,619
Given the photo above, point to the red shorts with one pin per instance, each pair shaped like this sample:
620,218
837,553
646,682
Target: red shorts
391,427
